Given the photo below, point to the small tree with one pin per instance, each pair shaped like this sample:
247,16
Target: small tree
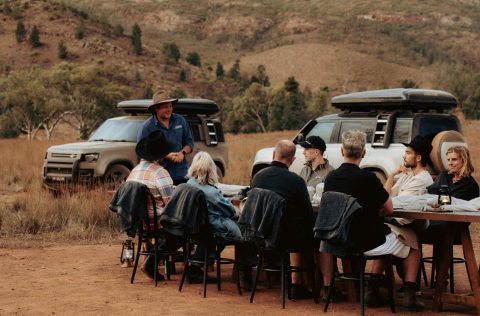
171,52
148,92
62,50
219,71
193,58
137,39
234,72
34,38
118,30
178,93
20,32
80,31
407,83
183,75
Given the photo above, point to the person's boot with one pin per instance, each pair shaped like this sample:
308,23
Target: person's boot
410,300
373,298
148,268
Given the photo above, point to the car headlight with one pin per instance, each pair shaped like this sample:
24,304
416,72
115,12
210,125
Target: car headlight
90,157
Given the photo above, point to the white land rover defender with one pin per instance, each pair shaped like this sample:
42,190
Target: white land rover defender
109,154
389,118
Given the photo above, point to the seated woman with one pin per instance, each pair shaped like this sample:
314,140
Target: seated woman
461,185
221,212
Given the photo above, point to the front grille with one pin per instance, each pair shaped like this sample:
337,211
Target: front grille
64,155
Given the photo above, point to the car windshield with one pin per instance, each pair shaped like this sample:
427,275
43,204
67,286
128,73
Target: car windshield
117,131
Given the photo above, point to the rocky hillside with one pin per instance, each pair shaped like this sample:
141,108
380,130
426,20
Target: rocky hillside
345,45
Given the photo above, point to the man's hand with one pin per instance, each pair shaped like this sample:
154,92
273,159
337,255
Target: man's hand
399,170
175,157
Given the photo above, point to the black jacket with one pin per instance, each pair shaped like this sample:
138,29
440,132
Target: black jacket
186,212
130,204
334,219
261,217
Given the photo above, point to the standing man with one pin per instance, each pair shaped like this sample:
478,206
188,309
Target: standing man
316,166
176,131
297,221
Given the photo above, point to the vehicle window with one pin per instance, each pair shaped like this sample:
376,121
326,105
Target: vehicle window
402,130
117,130
367,126
432,125
322,129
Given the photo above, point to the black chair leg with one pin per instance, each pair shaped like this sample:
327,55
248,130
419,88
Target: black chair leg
257,276
236,266
311,272
331,286
452,277
282,280
186,265
205,272
218,260
391,282
136,260
362,285
155,269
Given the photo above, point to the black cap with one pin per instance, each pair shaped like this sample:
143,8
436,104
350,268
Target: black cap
314,142
422,146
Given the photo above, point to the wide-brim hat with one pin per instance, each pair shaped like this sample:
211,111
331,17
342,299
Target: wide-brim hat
160,97
154,147
314,142
422,146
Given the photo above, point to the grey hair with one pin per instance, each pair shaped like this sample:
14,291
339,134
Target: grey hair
203,169
353,143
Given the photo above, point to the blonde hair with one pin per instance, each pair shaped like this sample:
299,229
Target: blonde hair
353,143
464,154
203,169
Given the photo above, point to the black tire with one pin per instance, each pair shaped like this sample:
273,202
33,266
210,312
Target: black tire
115,176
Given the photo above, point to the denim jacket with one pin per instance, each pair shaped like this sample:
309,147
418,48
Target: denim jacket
222,214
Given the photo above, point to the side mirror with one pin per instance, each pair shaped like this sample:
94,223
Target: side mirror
299,138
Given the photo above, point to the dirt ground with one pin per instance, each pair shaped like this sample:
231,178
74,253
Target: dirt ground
87,279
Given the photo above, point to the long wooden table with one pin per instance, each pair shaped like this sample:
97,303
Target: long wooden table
455,220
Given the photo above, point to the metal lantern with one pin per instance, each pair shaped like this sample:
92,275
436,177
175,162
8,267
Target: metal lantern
128,249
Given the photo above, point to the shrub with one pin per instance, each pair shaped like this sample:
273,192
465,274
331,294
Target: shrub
34,38
80,31
182,76
118,30
178,93
171,52
193,58
219,71
62,50
20,32
137,39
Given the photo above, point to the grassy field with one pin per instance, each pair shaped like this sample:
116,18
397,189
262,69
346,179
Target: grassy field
29,212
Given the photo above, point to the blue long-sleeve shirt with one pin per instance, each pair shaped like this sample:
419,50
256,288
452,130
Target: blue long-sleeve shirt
177,133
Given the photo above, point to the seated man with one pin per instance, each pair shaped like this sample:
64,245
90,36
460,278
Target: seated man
152,150
367,229
411,178
297,222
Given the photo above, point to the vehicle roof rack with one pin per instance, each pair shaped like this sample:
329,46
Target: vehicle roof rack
395,99
183,106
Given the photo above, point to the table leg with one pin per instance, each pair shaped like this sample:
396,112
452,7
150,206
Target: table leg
471,262
445,258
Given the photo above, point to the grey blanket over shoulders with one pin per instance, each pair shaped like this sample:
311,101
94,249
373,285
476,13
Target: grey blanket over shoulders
261,217
335,216
130,204
186,212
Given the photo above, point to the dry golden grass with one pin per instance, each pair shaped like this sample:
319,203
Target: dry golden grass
29,212
242,149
